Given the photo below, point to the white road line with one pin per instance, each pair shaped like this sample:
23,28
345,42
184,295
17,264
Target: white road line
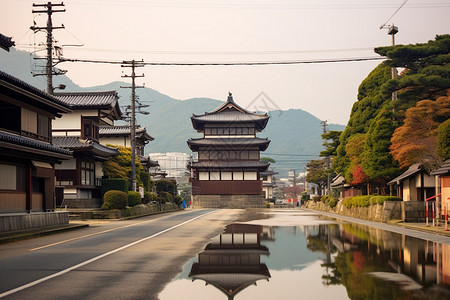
23,287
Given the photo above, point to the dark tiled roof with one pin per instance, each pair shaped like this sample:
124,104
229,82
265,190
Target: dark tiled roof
230,112
32,143
229,142
29,88
413,170
230,116
444,169
123,130
6,42
89,99
76,144
230,164
338,181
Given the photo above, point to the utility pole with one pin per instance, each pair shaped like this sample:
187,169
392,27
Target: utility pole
327,158
133,65
392,30
49,28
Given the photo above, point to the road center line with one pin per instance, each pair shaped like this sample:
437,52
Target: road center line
23,287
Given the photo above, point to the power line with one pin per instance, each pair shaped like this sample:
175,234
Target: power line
404,2
262,63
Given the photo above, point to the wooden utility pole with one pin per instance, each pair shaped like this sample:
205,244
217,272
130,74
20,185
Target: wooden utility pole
133,65
327,158
49,29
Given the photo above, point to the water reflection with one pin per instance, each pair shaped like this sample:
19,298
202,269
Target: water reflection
232,261
377,264
338,261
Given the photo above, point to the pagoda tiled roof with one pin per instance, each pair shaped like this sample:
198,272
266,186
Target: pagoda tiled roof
75,144
18,140
238,164
229,142
123,130
230,113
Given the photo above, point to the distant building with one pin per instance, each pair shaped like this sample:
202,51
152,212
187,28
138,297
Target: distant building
227,173
173,164
269,184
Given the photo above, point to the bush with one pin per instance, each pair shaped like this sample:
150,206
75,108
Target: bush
134,198
316,198
380,199
146,181
365,201
117,184
149,197
165,197
115,200
333,202
178,200
165,185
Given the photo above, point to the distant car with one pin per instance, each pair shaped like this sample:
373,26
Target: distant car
279,201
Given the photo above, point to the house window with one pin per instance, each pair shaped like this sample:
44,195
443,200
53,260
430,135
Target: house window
9,117
12,178
43,127
89,129
29,121
87,173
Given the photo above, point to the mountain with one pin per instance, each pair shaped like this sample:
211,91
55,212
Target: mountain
295,134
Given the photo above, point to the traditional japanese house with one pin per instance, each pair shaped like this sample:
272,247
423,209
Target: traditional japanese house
227,173
27,155
120,135
79,180
415,184
442,179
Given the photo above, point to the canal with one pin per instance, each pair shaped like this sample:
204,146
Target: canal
301,255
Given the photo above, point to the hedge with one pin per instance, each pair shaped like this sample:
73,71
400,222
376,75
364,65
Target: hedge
134,198
117,184
115,200
366,201
149,197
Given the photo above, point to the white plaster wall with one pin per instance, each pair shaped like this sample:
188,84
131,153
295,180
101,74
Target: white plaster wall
115,141
67,165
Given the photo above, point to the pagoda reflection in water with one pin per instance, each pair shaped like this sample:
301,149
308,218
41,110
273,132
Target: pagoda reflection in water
232,261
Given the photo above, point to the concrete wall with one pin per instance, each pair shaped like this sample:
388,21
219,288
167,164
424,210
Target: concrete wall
138,210
34,220
228,201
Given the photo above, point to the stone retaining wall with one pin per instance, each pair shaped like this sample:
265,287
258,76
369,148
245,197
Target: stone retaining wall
16,222
409,211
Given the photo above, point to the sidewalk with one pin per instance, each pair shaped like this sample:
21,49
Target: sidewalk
7,237
417,230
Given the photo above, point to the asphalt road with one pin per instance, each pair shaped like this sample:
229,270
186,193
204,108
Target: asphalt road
131,259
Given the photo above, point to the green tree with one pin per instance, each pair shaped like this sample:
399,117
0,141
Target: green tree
331,143
443,140
317,172
164,185
120,166
267,160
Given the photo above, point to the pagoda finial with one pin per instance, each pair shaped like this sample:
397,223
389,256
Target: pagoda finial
230,97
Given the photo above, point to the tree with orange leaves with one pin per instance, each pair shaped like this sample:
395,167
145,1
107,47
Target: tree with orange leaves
415,141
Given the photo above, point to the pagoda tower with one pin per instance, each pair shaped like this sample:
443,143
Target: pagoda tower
227,173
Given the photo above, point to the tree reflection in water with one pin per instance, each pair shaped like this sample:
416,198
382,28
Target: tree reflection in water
376,264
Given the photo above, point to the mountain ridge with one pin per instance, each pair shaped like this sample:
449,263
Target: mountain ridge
295,134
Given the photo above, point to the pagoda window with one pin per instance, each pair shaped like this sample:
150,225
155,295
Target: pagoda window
238,176
203,155
250,176
226,176
203,175
244,154
214,175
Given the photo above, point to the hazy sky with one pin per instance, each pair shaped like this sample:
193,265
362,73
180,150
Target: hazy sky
232,31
